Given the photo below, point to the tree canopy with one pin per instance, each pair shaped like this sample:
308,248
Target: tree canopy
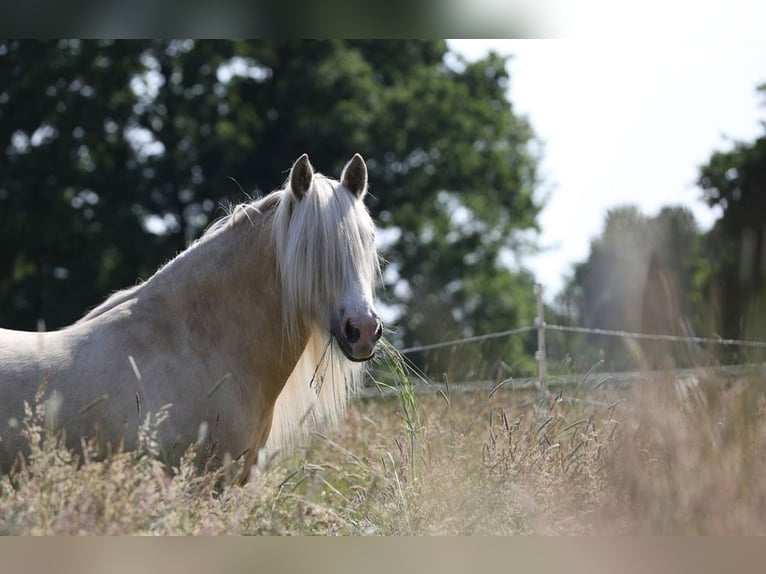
118,153
735,181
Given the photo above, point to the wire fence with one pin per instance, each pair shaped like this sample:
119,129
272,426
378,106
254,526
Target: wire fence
541,381
466,340
585,330
657,337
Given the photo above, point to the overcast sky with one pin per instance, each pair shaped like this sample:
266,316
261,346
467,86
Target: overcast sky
626,122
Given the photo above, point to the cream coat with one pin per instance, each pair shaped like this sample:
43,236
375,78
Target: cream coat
234,333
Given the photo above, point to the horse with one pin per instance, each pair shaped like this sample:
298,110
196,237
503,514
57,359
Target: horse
257,330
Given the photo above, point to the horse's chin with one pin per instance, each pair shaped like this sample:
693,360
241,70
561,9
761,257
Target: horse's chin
346,349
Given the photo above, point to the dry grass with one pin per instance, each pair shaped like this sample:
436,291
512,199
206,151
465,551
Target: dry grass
650,459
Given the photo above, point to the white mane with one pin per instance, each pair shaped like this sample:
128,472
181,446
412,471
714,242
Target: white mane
323,241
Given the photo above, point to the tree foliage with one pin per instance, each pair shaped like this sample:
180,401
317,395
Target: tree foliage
735,181
117,154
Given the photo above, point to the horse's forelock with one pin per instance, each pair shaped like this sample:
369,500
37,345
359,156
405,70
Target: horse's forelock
324,244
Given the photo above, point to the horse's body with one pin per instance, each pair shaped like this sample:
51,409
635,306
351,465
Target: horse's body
236,324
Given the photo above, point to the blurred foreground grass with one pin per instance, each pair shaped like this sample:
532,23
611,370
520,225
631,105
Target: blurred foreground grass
657,458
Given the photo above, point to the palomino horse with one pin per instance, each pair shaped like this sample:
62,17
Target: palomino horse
235,333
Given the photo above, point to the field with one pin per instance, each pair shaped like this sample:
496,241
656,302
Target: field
657,457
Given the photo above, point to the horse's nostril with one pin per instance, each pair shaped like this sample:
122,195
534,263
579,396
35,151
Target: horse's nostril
352,333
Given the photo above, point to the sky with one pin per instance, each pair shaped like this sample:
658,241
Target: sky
625,122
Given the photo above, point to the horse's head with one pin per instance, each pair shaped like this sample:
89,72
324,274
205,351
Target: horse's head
328,259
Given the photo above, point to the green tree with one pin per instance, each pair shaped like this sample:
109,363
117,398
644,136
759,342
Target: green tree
117,154
67,178
735,181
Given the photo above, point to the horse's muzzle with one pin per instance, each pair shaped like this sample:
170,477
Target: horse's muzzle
357,336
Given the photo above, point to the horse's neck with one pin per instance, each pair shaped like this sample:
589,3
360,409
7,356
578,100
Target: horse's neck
227,290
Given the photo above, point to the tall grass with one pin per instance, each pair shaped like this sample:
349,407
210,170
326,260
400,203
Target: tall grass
660,457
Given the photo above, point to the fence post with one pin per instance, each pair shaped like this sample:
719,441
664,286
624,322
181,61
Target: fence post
540,355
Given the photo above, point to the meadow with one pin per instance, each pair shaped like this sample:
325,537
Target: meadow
655,457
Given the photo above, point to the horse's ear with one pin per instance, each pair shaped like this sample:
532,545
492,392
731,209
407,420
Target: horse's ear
354,176
301,176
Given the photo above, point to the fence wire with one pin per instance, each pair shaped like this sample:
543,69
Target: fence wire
586,330
656,337
465,340
540,382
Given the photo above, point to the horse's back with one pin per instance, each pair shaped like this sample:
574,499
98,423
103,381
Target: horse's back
17,344
26,356
108,372
28,361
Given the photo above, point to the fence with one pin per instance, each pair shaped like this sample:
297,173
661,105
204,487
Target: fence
541,382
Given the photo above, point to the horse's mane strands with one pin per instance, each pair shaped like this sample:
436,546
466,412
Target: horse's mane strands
319,240
300,406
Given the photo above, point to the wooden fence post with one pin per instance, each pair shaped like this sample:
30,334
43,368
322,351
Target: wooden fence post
540,355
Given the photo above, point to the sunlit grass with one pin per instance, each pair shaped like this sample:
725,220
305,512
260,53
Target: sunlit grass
659,457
